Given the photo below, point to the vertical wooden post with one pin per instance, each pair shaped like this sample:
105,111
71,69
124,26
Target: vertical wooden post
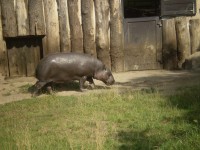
36,17
88,19
183,39
74,9
116,36
3,53
169,45
65,42
22,17
52,27
9,18
195,35
102,31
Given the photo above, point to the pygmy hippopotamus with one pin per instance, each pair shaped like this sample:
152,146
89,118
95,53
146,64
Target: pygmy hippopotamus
63,67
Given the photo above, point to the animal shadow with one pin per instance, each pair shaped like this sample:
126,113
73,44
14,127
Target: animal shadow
68,86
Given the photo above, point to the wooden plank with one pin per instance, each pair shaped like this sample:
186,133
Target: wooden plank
65,42
178,7
36,17
183,40
74,9
9,20
3,52
88,18
32,54
52,27
16,58
102,12
116,37
195,35
169,45
22,17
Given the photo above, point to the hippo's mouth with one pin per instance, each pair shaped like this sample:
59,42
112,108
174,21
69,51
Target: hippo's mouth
108,83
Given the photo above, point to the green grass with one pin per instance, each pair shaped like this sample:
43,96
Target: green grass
130,120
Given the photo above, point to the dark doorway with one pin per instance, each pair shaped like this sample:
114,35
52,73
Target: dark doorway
141,8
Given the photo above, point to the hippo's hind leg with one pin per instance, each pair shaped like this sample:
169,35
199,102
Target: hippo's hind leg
91,82
38,86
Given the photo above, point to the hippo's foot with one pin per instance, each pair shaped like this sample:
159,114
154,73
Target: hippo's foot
91,86
83,90
49,90
34,94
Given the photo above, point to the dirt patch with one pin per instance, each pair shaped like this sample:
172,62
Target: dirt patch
165,81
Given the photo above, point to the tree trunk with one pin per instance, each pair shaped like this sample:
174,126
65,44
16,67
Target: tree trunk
169,45
74,8
36,17
22,17
116,37
9,18
65,42
52,27
183,40
88,18
195,35
102,31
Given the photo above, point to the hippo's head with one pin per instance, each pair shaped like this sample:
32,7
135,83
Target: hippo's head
105,76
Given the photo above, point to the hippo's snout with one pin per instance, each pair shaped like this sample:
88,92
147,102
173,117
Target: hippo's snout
110,81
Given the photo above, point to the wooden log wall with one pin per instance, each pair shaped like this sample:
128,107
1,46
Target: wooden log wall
3,55
85,26
181,38
169,44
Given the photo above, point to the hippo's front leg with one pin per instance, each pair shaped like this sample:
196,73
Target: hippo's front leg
81,83
91,82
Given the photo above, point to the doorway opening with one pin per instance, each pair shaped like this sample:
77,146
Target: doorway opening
141,8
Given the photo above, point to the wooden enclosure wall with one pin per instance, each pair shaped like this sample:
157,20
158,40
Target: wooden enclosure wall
181,38
86,26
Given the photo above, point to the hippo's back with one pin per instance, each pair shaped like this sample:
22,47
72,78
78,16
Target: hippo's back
66,66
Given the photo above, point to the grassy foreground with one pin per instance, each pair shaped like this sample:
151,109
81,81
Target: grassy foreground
131,120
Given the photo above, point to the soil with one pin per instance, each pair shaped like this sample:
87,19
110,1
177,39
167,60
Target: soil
15,89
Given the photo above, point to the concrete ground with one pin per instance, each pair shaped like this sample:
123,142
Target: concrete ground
15,89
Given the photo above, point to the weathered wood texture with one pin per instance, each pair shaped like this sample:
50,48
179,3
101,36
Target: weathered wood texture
3,54
74,9
36,17
65,42
22,17
102,12
88,20
52,27
9,19
195,35
183,40
23,55
116,36
169,44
